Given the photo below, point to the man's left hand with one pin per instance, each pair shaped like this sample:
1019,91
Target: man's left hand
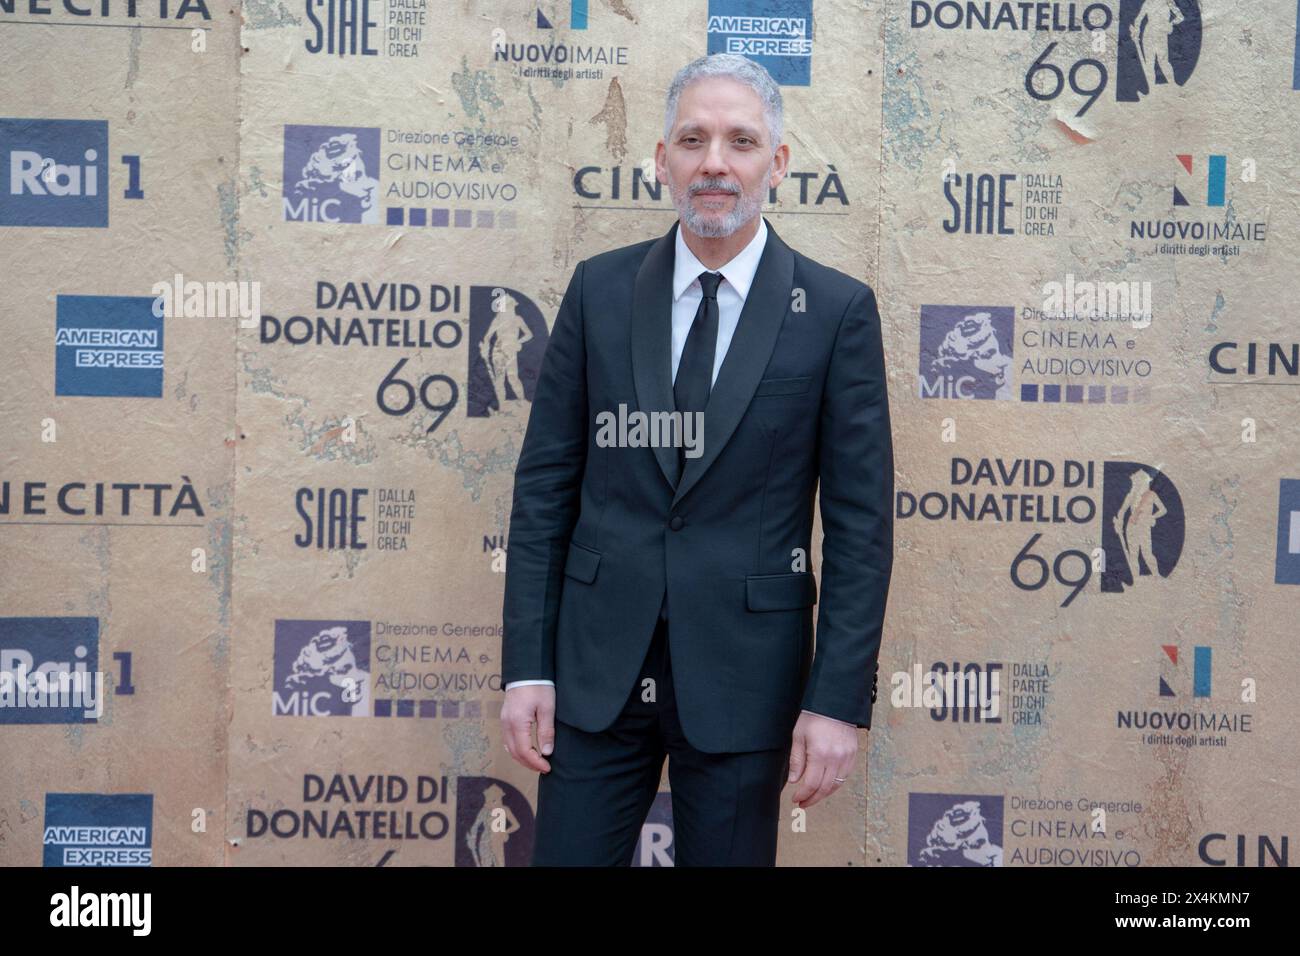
821,751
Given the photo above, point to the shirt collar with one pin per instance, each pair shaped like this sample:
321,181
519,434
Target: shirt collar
739,271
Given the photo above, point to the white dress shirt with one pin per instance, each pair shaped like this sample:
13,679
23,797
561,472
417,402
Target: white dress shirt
737,277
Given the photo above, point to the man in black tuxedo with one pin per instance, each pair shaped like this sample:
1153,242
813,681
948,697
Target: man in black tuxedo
658,599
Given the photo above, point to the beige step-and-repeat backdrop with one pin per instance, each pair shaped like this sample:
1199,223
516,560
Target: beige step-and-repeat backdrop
260,415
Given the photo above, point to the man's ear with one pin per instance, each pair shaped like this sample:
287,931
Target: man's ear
780,165
661,159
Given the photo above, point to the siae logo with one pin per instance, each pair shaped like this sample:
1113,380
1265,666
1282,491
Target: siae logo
984,204
342,27
332,518
985,208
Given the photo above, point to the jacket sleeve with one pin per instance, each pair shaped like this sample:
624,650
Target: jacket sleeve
856,465
548,483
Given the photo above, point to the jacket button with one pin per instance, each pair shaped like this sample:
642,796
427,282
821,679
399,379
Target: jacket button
677,522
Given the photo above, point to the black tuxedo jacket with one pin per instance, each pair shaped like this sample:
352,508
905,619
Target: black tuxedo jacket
597,533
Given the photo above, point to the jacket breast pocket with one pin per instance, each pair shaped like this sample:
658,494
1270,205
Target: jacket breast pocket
780,592
581,563
783,386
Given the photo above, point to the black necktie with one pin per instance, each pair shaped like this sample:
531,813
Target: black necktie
695,367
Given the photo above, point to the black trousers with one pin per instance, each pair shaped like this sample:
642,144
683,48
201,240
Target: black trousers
592,803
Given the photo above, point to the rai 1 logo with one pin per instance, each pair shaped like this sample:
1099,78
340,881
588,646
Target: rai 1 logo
55,172
1159,44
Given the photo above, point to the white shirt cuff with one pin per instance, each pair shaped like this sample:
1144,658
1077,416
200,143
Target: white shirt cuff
836,719
522,683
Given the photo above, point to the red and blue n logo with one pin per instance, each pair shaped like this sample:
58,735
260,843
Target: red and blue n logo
577,16
1200,670
1216,181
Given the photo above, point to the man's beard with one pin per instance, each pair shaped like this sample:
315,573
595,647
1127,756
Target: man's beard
712,225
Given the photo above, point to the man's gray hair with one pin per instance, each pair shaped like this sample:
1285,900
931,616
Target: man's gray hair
739,68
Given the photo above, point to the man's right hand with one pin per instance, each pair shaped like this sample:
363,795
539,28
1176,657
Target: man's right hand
524,707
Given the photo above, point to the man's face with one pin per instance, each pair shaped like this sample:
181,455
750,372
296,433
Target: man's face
718,162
